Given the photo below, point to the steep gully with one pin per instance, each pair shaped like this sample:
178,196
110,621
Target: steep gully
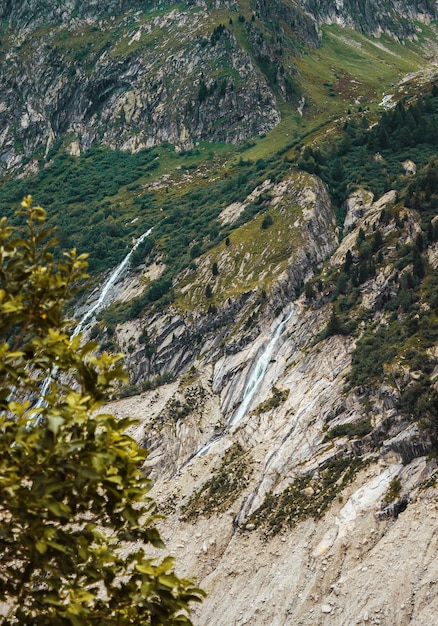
109,285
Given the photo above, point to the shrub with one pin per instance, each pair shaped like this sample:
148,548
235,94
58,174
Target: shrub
76,516
267,222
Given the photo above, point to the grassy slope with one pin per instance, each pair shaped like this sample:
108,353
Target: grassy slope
254,258
348,71
202,182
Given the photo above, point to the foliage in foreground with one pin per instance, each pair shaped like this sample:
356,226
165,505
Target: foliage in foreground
75,516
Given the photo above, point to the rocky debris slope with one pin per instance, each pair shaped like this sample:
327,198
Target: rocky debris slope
312,568
348,568
285,511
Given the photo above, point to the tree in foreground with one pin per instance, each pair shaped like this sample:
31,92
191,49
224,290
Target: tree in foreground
75,515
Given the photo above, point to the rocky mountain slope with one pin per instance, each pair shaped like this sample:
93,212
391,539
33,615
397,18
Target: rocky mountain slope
291,510
279,318
396,18
294,470
133,75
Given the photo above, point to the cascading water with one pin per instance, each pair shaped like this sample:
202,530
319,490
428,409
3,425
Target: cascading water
102,300
109,284
257,374
258,371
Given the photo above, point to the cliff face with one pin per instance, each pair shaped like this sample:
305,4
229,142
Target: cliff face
30,14
133,75
129,83
270,507
394,18
300,205
255,347
367,15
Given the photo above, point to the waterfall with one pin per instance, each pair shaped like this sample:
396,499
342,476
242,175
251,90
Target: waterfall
256,377
109,284
102,300
258,371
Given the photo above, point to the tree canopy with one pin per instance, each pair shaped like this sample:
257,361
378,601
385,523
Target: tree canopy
75,514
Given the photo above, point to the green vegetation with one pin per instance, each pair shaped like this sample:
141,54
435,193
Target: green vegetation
395,338
192,400
306,497
83,199
129,389
112,197
334,326
223,488
372,158
102,200
356,429
76,517
394,490
267,221
278,397
253,258
409,329
350,70
348,73
111,201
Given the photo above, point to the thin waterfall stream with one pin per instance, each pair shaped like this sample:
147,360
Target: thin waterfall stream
258,372
109,284
103,299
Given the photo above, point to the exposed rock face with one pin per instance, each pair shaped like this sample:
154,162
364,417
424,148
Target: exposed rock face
337,562
281,341
294,579
263,347
357,204
132,82
394,18
29,13
314,570
179,337
130,76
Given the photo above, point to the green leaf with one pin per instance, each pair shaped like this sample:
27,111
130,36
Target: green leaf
57,546
41,547
144,568
52,599
54,423
69,479
58,508
83,596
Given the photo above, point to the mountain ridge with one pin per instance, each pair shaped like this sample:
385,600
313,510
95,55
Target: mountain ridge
133,76
279,322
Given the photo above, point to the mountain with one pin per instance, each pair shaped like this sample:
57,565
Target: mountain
133,75
279,319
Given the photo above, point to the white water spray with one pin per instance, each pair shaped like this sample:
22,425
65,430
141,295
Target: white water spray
102,300
109,284
258,371
206,449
